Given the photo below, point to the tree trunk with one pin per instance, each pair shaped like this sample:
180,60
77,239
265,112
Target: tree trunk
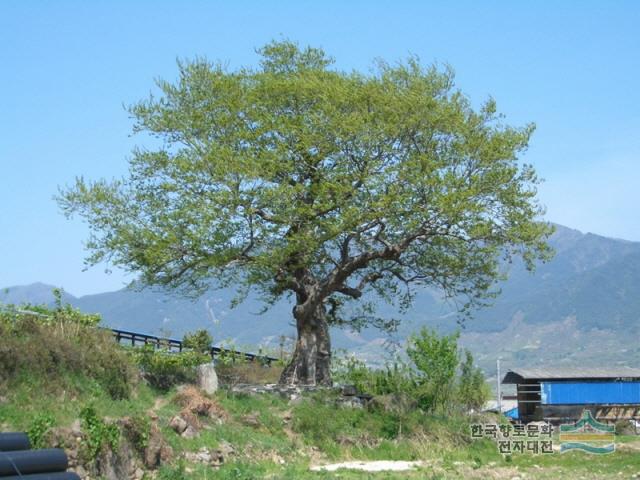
311,360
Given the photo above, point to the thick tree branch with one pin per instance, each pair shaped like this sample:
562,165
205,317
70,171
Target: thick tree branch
337,277
354,293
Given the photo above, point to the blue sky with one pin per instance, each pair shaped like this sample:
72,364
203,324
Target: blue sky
67,69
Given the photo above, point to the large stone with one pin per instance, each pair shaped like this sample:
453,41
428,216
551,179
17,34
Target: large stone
207,378
349,390
190,432
115,464
154,445
178,424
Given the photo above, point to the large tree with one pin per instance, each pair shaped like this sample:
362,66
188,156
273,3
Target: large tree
298,179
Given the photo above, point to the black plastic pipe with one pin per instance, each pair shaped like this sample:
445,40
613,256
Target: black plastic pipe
45,476
22,462
10,441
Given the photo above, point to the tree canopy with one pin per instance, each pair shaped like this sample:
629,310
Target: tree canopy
297,178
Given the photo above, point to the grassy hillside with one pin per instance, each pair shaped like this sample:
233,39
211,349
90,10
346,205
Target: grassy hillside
286,440
68,385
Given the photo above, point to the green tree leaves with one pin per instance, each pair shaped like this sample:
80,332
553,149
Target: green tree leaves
472,389
436,360
298,178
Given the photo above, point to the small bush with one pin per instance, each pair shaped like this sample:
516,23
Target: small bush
116,380
199,341
99,434
394,378
163,369
230,355
472,389
39,428
625,427
437,379
436,360
138,430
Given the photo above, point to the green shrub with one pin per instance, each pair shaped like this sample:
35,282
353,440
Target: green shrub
472,389
138,431
394,378
230,354
116,380
625,427
99,434
163,369
436,359
39,428
199,341
437,380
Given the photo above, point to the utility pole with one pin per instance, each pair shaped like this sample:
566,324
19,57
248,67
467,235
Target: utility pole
499,389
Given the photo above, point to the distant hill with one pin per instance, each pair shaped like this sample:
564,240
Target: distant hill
583,307
36,294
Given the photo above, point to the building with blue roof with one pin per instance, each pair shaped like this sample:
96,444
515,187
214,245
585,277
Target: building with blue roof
560,395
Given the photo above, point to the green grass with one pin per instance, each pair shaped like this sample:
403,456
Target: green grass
318,432
288,439
28,397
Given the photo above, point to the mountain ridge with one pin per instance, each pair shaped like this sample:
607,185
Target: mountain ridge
591,286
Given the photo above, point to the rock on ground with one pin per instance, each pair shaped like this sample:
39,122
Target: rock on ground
207,378
178,424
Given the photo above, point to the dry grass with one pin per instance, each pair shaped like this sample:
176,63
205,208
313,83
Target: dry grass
249,372
52,351
193,402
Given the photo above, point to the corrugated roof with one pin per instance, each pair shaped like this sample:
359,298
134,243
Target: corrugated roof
561,373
